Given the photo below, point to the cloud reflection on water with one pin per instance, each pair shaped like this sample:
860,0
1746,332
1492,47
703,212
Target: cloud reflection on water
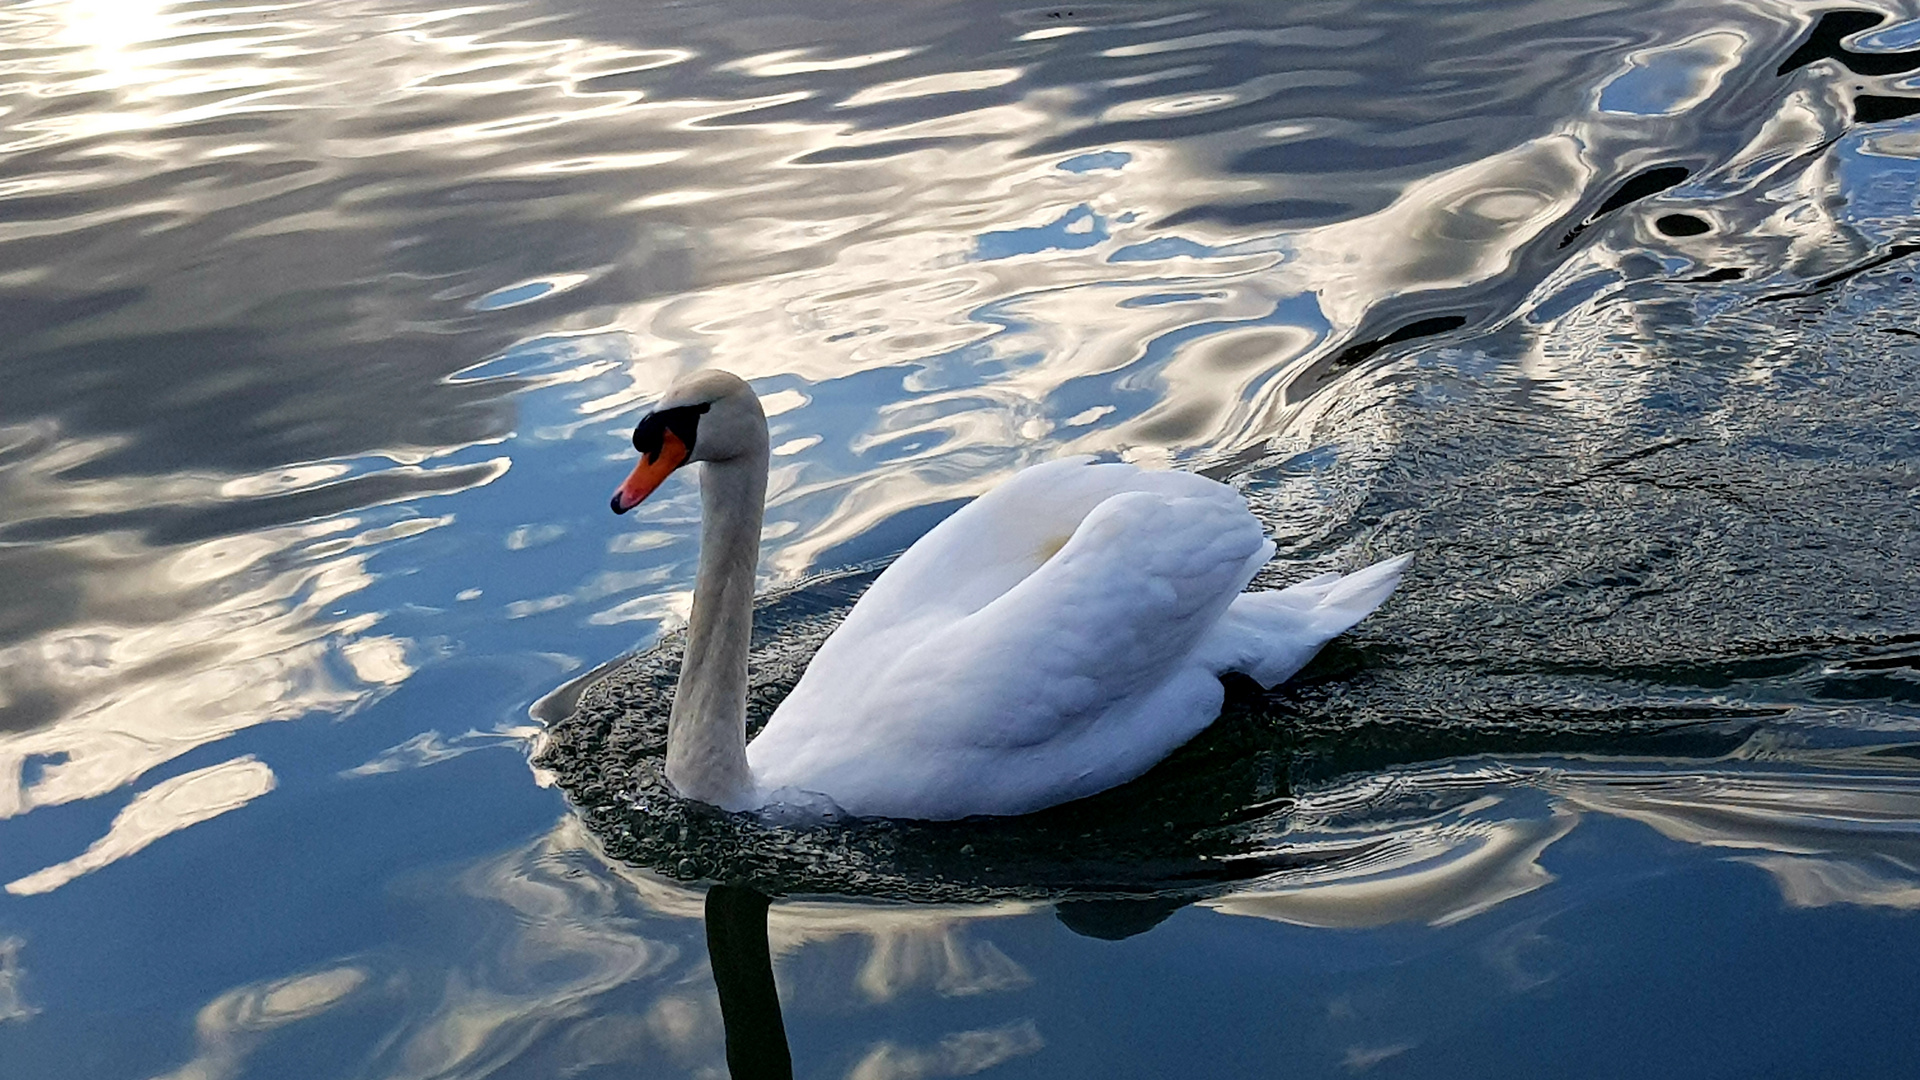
1825,838
168,806
236,1023
577,961
13,998
553,958
127,697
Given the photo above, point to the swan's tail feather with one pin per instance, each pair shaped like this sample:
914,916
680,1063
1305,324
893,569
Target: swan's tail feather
1270,635
1355,596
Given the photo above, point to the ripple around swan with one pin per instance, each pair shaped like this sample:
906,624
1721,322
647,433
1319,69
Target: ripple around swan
1239,816
1238,820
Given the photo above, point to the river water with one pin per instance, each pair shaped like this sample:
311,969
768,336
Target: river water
323,327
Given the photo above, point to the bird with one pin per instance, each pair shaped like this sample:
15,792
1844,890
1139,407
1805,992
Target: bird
1055,637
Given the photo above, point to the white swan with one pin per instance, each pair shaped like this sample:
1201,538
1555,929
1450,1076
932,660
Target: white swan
1057,636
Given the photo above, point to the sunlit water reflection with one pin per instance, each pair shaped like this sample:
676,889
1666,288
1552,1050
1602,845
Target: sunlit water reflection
324,325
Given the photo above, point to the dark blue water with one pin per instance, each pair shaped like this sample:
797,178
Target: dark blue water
323,326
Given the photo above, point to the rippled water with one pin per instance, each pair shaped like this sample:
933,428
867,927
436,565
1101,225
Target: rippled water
325,324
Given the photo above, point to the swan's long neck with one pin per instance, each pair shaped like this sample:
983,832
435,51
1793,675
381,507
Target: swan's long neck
707,733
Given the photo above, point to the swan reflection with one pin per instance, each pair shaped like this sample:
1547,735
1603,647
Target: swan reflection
743,975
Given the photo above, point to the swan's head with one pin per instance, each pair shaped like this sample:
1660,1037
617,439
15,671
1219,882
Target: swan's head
709,415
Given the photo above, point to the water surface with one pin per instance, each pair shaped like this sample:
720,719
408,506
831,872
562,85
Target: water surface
325,325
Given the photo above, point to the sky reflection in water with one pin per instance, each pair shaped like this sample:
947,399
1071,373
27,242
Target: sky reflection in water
325,324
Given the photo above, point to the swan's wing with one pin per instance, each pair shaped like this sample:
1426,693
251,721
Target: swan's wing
1001,709
987,546
978,553
1109,618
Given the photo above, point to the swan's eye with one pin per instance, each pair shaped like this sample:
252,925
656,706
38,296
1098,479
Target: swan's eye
683,421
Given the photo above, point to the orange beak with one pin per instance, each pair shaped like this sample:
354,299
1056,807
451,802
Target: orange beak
650,473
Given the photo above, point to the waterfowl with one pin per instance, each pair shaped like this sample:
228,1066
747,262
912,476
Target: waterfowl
1053,638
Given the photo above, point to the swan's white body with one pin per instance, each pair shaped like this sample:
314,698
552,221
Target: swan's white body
1056,637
